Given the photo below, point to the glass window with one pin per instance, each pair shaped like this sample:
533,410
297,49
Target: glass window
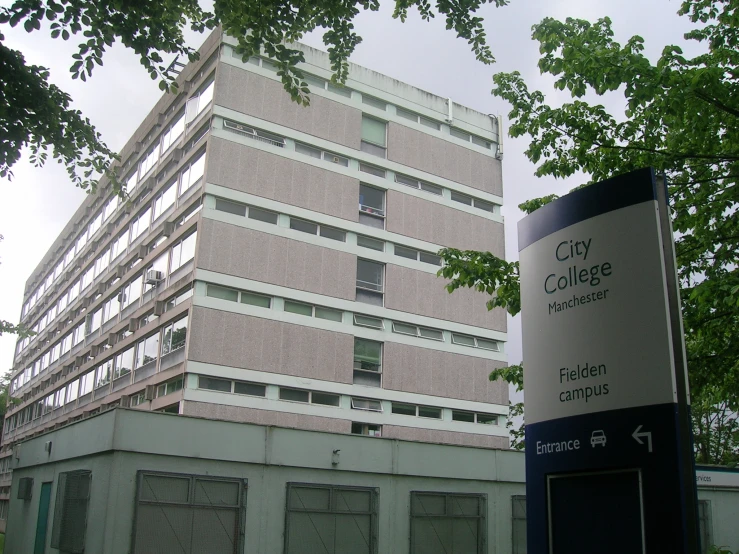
86,382
140,224
366,321
461,198
373,131
366,429
124,363
404,252
214,291
468,417
119,246
262,215
131,292
298,308
147,350
87,277
327,313
111,308
304,226
331,233
69,256
366,404
371,169
183,252
324,399
488,344
487,206
149,161
370,275
374,102
78,334
81,242
426,411
307,150
103,374
192,175
211,383
174,132
430,123
74,291
72,390
368,242
463,339
230,207
406,114
294,395
250,389
199,101
367,362
487,419
371,200
459,134
403,409
174,336
255,299
94,320
428,258
165,200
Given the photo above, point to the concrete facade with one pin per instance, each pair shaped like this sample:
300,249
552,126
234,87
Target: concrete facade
276,264
265,462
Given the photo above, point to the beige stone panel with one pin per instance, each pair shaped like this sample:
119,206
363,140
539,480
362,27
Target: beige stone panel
424,220
242,341
420,370
258,96
422,293
443,158
251,254
265,417
261,173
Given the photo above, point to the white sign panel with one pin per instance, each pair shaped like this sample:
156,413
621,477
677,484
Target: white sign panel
595,319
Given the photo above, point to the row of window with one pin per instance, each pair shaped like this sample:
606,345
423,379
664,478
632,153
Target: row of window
147,218
77,246
143,356
372,196
313,152
332,314
316,82
291,394
128,295
195,105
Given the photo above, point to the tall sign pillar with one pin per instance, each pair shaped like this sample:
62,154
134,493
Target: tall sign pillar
609,462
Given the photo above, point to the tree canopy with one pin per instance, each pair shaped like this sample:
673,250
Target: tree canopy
681,117
37,114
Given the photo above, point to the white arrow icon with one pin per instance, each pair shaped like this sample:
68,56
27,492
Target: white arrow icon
637,437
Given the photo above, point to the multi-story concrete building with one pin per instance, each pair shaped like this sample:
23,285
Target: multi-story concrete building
276,264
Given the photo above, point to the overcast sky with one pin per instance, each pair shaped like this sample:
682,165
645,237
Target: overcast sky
36,205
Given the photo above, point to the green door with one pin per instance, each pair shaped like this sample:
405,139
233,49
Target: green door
43,518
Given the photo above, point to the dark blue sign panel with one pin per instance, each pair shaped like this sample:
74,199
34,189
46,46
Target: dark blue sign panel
608,453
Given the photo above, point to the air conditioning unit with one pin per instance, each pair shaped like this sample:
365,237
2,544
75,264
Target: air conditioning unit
125,401
154,277
25,488
150,392
168,228
159,307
